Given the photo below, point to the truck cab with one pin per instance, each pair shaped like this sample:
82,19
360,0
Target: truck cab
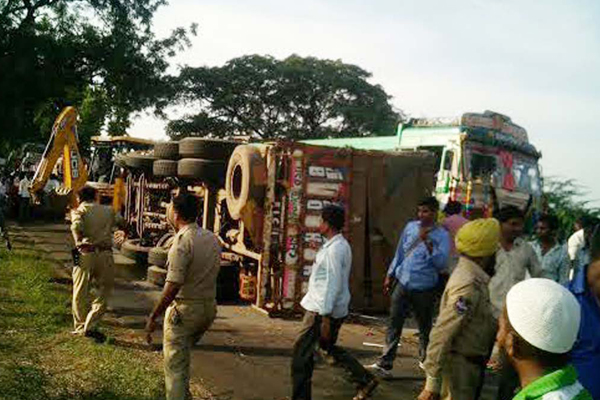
484,160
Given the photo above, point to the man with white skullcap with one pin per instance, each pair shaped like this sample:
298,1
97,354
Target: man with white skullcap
538,329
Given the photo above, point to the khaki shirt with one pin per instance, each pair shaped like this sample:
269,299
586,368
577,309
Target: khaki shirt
194,261
93,223
465,326
511,268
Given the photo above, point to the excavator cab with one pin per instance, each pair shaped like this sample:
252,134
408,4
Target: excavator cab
105,173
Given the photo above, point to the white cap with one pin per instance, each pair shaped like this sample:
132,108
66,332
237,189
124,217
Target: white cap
545,314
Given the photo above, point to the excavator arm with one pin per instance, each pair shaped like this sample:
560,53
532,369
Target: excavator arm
63,142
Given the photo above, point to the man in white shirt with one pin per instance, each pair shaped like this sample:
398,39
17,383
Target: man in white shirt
3,188
516,261
51,185
576,241
578,253
24,198
326,304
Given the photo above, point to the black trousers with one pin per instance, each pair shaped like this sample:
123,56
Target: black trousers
422,303
303,356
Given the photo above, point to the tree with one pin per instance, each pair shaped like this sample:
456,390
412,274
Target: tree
563,199
99,55
295,98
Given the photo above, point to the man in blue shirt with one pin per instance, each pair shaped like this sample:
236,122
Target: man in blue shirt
585,355
412,278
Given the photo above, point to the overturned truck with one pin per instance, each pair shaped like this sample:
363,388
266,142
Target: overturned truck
264,204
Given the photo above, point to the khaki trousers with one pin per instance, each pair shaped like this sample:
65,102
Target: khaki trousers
462,379
94,275
185,323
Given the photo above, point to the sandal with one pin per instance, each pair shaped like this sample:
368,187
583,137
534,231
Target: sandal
365,392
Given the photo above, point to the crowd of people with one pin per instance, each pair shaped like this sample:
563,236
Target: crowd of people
528,310
15,196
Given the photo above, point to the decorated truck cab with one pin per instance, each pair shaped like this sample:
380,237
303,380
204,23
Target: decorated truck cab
484,160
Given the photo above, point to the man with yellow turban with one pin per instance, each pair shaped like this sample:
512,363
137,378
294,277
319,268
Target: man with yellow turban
461,341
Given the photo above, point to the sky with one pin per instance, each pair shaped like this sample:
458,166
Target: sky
536,61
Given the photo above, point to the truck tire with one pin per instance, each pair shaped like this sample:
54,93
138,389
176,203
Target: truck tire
205,170
164,168
166,240
158,256
120,160
246,179
166,150
140,161
132,250
208,149
157,275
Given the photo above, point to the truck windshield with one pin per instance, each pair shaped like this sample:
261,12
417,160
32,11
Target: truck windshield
482,165
497,164
526,173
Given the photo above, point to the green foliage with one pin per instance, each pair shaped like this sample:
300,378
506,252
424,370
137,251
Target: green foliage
39,359
294,98
563,199
86,53
93,112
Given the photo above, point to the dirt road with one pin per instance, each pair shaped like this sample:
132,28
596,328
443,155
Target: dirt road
246,354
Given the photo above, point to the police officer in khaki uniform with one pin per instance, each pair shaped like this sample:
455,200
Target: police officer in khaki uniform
461,341
189,294
92,226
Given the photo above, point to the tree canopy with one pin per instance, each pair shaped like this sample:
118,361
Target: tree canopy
564,199
98,55
294,98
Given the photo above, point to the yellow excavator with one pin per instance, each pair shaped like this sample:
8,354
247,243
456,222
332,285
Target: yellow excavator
64,143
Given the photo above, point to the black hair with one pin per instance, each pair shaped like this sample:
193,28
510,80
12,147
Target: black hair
334,215
550,220
526,351
87,193
453,207
187,206
430,202
507,213
592,240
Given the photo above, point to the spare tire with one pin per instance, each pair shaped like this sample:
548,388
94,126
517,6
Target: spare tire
158,256
208,149
132,250
246,179
157,275
141,161
164,168
205,170
167,150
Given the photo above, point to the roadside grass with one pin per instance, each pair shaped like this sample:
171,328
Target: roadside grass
39,359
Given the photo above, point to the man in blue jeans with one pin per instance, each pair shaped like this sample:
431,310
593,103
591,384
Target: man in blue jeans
412,278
